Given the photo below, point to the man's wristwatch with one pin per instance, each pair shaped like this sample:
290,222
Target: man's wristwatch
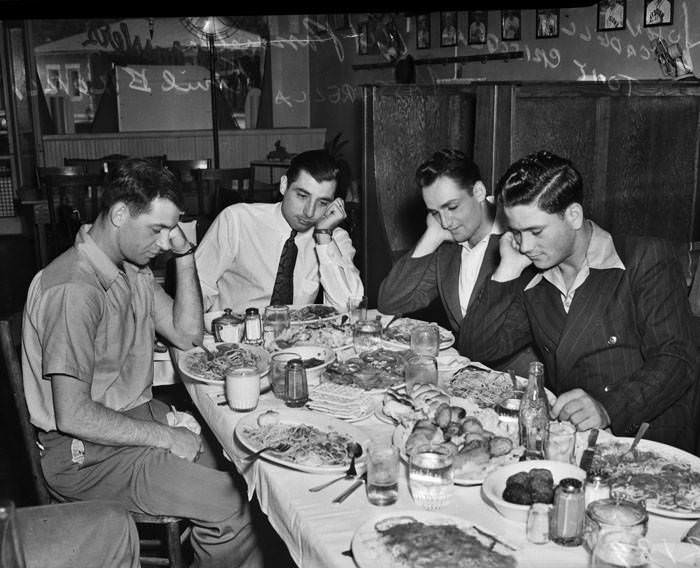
318,232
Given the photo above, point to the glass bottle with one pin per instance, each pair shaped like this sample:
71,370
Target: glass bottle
534,414
253,327
568,513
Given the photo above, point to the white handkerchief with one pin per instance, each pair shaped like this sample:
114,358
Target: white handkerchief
178,419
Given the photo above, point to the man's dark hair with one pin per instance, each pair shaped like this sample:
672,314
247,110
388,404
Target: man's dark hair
319,164
550,181
137,182
453,164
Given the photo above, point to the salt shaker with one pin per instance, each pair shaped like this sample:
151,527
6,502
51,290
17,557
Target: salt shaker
253,327
566,522
537,530
596,487
295,385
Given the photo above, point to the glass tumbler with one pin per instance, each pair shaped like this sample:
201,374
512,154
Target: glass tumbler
617,549
382,474
367,335
242,389
420,369
276,317
357,308
278,372
561,443
430,476
425,340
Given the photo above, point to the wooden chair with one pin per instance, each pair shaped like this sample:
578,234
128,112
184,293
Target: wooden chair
166,550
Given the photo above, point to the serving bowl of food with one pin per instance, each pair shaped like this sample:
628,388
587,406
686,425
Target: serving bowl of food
315,359
513,488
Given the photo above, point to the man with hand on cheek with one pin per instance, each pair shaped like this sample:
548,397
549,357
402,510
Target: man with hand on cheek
609,313
257,254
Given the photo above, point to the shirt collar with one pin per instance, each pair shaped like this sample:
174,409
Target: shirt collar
600,255
468,247
285,227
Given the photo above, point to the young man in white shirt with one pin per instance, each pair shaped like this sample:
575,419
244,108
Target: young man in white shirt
239,255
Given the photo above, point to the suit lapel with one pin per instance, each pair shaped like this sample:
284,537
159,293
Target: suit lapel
449,276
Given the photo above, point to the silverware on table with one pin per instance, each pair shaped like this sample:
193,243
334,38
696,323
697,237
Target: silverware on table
281,447
345,494
494,539
355,451
210,354
589,452
392,320
643,427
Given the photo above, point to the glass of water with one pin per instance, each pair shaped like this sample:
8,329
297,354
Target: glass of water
382,474
367,335
420,369
357,308
425,340
430,476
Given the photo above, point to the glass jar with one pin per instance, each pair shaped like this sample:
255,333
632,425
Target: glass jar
253,327
228,327
614,515
568,512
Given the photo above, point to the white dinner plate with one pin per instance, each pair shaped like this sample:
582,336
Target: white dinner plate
402,326
291,417
667,452
185,363
335,316
369,551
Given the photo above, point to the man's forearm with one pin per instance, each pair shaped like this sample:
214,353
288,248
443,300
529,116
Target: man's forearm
187,307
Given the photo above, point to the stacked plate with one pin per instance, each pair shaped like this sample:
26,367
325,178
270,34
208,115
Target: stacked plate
341,401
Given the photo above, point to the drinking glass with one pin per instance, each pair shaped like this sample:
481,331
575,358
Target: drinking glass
621,549
277,318
367,335
357,308
382,474
430,476
561,443
242,389
425,340
420,369
278,372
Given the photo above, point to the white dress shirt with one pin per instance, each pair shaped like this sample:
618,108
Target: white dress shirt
238,257
472,257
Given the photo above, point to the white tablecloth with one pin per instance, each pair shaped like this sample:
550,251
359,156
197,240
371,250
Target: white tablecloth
317,531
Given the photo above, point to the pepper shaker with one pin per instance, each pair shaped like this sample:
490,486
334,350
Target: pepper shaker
566,523
295,385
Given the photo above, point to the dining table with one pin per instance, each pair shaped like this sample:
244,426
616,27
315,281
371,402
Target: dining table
319,533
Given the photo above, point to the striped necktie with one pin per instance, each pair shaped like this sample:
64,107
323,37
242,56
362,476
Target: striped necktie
283,291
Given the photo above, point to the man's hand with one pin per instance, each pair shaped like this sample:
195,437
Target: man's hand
178,240
433,237
333,216
512,261
581,409
185,444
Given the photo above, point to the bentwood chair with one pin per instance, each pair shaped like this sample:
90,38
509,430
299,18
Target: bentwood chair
161,537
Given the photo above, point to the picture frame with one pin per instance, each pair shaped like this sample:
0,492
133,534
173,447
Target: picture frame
547,23
511,21
477,27
612,15
658,13
448,28
423,31
362,37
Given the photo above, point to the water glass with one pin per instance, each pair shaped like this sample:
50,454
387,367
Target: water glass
420,369
357,308
382,474
430,476
367,335
278,372
242,389
561,443
621,549
425,340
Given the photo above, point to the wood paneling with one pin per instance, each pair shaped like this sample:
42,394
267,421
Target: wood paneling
237,148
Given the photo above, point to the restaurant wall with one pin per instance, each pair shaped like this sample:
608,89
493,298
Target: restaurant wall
579,53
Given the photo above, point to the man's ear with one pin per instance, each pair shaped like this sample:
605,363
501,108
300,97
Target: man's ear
283,184
574,215
118,213
479,191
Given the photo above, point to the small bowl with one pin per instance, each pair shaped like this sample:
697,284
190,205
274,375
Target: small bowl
495,483
325,354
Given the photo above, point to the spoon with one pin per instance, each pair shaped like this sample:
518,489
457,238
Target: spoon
354,451
644,426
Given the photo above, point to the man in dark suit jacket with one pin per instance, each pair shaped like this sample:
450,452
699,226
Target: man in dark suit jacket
609,314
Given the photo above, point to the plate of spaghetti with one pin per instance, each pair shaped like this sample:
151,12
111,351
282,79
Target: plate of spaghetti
196,363
317,442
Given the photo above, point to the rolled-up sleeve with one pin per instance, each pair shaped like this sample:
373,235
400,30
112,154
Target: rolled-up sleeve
340,277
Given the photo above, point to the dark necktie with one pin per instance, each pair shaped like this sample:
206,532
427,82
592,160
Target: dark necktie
283,291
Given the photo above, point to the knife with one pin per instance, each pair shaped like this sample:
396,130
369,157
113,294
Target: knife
345,494
589,452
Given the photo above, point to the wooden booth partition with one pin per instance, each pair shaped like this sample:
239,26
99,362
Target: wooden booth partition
402,126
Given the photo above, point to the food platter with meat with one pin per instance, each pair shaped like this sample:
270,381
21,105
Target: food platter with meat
371,371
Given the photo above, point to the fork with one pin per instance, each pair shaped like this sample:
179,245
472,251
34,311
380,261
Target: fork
281,447
642,430
355,451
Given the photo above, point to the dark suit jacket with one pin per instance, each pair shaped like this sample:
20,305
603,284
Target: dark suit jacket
626,339
415,282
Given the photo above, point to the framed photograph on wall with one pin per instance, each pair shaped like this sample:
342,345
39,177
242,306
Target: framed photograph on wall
547,23
658,13
423,31
362,38
448,28
611,15
510,25
477,27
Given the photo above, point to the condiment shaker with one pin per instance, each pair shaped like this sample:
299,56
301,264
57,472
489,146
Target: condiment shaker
537,530
566,522
253,327
295,385
596,487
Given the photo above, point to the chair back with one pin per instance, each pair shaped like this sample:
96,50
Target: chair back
13,372
221,187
